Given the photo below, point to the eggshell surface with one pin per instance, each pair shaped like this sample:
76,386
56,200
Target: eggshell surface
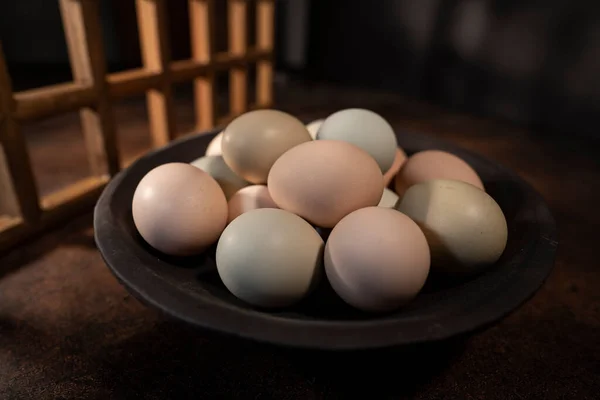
325,180
388,199
465,227
399,160
313,127
376,259
254,140
434,164
179,209
227,179
365,129
214,147
269,257
249,198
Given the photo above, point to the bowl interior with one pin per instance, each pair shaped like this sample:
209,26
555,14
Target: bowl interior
190,288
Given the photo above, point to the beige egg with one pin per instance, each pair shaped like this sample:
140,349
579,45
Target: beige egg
434,164
179,209
325,180
465,227
253,141
399,160
249,198
215,166
376,259
313,127
214,147
388,199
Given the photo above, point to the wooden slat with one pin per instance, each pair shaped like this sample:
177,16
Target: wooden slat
59,207
132,82
154,42
86,53
264,42
21,187
202,41
185,70
52,100
238,43
57,200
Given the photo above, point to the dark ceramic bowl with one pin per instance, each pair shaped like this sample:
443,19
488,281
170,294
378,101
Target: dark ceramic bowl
190,289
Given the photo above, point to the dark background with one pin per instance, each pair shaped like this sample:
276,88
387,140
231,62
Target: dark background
532,62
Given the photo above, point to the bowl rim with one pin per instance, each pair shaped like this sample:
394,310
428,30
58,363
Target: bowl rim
218,316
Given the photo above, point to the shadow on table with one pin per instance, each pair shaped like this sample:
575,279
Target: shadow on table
175,361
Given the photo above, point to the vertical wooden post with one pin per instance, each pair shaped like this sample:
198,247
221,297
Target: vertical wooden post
264,41
238,43
86,53
156,53
202,40
18,185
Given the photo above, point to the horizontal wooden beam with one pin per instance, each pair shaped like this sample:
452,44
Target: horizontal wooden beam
52,100
132,82
57,208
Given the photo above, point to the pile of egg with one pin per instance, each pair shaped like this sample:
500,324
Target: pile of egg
268,187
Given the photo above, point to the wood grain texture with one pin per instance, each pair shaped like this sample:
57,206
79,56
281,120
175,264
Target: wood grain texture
156,55
202,32
70,330
264,41
21,187
238,44
86,53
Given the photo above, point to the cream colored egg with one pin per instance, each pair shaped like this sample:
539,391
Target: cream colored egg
214,147
253,141
376,259
465,227
313,127
249,198
364,129
324,180
179,209
215,166
399,160
388,199
270,257
434,164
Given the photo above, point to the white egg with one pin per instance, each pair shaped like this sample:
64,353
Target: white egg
388,199
214,147
313,127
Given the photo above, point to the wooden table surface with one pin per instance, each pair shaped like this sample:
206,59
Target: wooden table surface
68,330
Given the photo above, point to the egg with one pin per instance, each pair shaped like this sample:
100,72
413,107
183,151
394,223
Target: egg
269,258
324,180
434,164
179,209
399,160
388,199
313,127
254,140
376,259
214,147
365,129
215,166
465,227
249,198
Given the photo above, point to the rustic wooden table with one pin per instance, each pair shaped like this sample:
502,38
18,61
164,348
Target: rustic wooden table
68,330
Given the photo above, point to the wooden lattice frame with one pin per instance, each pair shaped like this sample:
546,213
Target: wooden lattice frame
93,91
